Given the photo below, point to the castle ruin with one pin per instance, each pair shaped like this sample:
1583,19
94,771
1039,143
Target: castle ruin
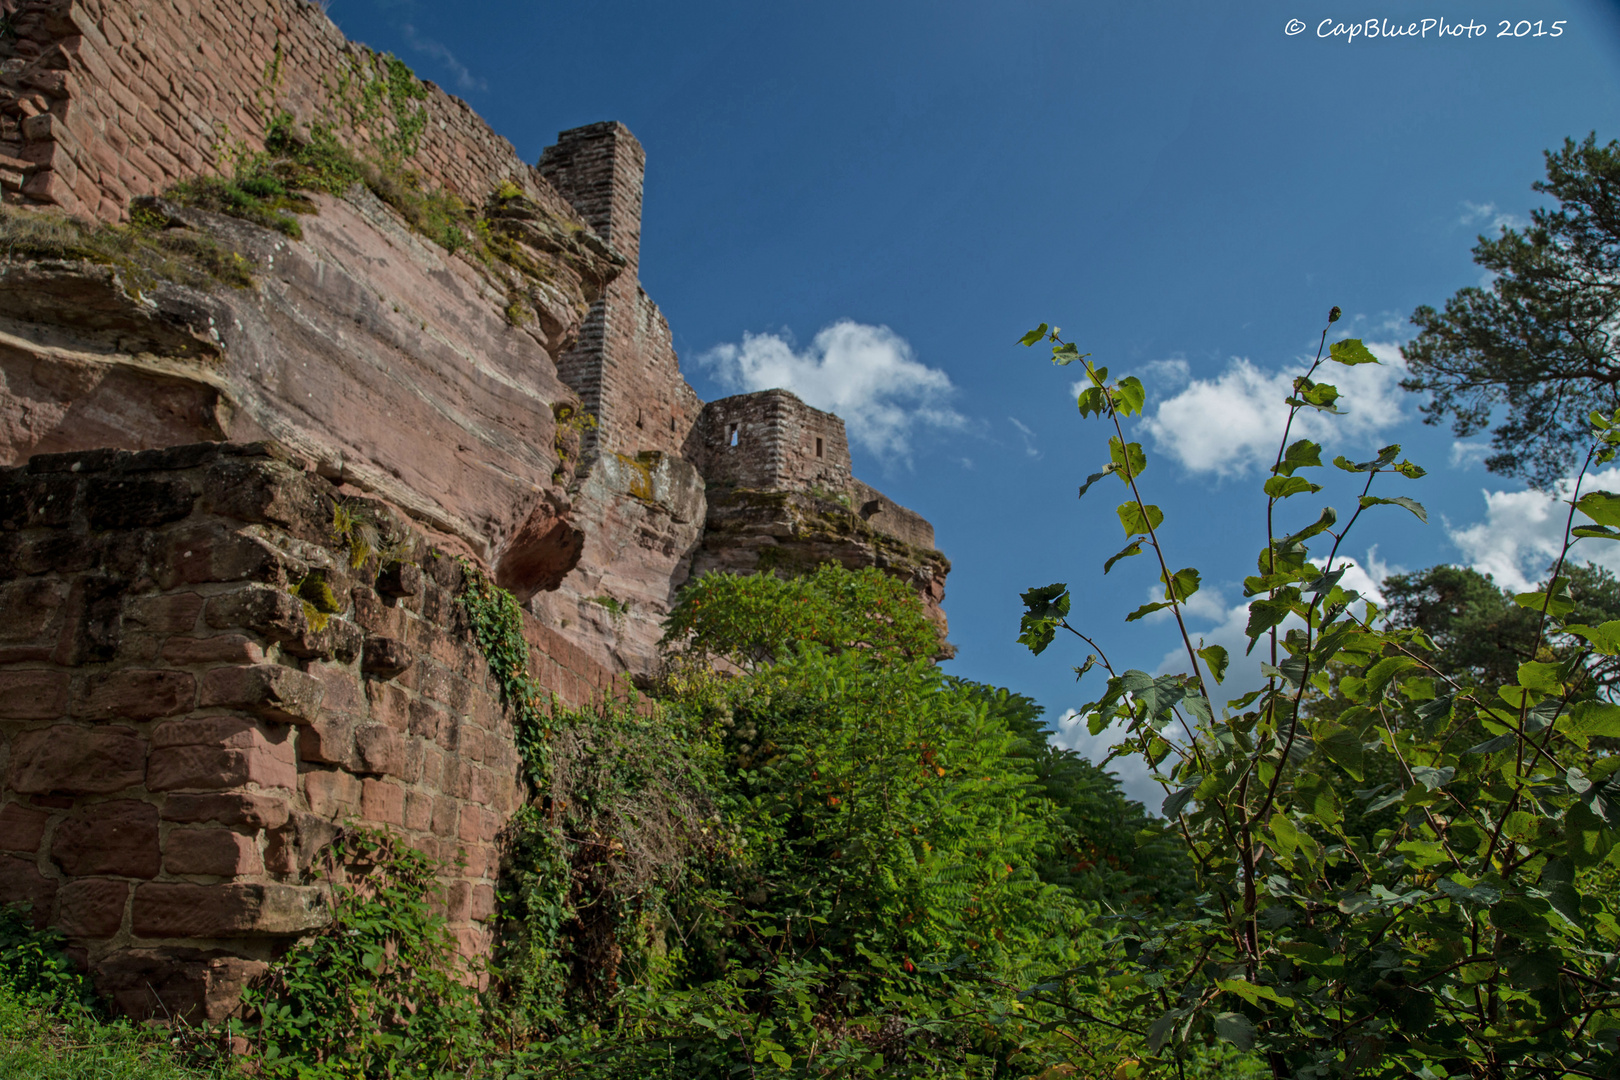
181,731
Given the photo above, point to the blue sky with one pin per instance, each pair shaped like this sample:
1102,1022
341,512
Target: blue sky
870,202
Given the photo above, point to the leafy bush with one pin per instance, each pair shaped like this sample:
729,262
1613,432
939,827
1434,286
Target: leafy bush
1401,871
379,991
757,620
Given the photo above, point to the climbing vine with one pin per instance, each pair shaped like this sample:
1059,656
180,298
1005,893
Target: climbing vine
497,626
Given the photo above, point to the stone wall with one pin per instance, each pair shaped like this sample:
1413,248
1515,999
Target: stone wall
772,441
101,100
181,735
624,366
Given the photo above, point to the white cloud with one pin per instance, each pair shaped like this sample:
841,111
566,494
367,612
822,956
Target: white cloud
1233,423
1030,448
865,374
1474,213
466,81
1465,455
1132,771
1524,530
1229,625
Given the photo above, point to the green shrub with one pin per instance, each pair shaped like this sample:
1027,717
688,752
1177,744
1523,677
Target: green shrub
1404,867
380,990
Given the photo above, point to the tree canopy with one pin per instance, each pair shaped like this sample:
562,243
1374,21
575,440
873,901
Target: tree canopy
1540,340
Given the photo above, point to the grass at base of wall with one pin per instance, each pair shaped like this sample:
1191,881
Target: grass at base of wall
42,1040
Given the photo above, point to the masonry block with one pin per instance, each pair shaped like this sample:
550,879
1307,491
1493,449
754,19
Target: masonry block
31,611
382,802
269,691
220,852
214,753
331,793
189,985
118,837
212,552
274,613
22,883
380,750
135,695
165,909
385,657
77,760
217,649
33,695
237,809
92,907
21,827
168,613
129,504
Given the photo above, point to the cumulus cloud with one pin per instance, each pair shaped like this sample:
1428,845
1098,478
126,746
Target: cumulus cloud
1225,624
1524,530
866,374
1231,424
1465,455
1132,771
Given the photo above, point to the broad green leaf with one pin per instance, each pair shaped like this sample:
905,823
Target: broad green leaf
1350,352
1132,548
1129,395
1093,400
1064,355
1281,487
1493,745
1380,674
1385,458
1145,610
1254,993
1320,525
1177,801
1604,639
1034,335
1601,506
1236,1029
1432,778
1128,460
1314,395
1596,532
1341,745
1286,832
1139,519
1535,675
1263,615
1560,605
1592,718
1474,894
1182,585
1215,656
1411,471
1399,500
1301,455
1045,608
1092,479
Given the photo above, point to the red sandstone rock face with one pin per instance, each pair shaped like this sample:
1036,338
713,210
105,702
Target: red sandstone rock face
360,348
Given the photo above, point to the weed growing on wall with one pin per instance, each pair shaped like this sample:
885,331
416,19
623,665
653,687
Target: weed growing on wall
377,992
144,252
497,626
